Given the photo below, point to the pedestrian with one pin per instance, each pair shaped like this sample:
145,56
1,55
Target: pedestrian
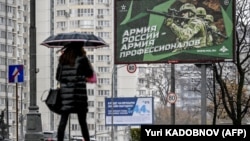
75,68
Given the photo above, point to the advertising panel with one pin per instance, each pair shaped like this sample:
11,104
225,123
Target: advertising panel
173,31
129,111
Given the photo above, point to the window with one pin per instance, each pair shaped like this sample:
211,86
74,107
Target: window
91,103
142,92
74,127
104,23
2,101
25,7
11,89
74,24
60,13
59,2
105,81
61,24
25,29
85,2
104,12
85,12
103,1
91,115
103,58
102,127
2,20
91,126
2,47
2,61
2,74
25,18
90,92
100,104
86,24
100,116
89,49
103,69
103,93
104,34
141,81
2,34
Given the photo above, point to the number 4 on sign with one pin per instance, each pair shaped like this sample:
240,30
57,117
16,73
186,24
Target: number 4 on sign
141,109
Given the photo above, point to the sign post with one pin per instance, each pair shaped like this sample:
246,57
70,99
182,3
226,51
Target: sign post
16,76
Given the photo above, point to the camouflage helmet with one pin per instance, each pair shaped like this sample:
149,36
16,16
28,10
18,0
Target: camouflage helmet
188,7
209,18
200,11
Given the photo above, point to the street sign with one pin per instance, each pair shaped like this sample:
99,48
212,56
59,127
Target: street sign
129,111
16,74
171,98
131,68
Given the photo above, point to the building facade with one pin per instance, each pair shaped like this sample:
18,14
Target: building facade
14,44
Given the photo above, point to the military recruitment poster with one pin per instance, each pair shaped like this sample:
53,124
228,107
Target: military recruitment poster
174,31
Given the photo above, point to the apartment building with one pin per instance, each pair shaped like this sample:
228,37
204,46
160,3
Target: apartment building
14,48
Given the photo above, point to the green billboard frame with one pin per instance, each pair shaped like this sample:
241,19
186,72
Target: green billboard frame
143,35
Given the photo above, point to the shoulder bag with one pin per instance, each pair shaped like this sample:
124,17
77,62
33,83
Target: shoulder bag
53,100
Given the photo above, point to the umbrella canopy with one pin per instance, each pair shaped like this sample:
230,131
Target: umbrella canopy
62,39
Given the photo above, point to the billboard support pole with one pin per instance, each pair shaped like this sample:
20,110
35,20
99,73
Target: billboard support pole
112,99
203,95
173,91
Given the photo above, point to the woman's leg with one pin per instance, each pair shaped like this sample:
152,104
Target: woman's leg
84,126
62,126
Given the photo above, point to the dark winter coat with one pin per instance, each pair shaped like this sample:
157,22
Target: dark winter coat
73,85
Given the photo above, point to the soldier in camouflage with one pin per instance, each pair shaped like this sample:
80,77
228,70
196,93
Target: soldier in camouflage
201,12
193,29
213,39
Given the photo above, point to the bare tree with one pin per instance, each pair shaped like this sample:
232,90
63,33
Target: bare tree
157,81
186,116
235,99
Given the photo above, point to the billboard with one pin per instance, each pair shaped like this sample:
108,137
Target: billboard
129,111
173,31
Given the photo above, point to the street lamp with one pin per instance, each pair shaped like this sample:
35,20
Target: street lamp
34,123
114,94
6,70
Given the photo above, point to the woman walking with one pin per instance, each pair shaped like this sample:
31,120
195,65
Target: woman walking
75,68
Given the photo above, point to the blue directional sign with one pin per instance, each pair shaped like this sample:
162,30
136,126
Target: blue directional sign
16,74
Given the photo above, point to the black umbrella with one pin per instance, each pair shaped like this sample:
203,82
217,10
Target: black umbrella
62,39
